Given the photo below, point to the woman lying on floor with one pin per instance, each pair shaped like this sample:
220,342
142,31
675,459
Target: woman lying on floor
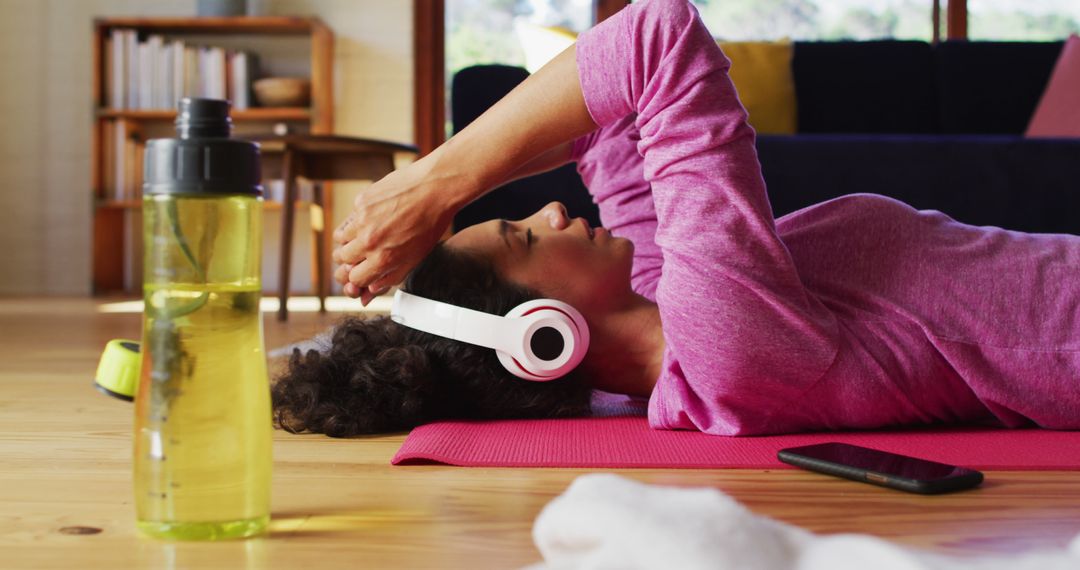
859,312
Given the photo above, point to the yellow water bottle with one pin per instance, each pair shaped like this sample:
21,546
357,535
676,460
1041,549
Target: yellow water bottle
202,409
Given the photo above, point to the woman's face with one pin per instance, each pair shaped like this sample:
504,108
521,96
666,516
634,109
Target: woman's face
559,257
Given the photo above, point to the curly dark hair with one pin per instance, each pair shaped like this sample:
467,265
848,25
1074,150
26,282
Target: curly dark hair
378,376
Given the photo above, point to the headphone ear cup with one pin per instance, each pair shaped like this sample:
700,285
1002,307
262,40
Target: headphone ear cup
554,340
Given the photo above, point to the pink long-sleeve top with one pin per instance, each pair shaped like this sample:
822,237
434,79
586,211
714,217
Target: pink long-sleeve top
859,312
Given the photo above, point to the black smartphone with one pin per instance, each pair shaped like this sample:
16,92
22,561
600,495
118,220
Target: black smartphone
881,468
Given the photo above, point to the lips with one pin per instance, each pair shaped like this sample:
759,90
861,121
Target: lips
589,231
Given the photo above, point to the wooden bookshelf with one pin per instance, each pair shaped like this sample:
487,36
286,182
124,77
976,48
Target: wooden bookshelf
110,214
262,25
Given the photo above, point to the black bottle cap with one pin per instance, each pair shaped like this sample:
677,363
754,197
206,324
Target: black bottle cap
203,160
203,118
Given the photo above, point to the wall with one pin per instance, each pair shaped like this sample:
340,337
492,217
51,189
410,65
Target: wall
46,116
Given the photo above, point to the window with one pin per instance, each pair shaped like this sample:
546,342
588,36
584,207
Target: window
485,31
525,33
737,20
1023,20
497,31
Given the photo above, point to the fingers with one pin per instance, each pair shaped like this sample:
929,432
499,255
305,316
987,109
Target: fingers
366,279
337,256
345,231
365,295
369,294
345,234
383,284
341,274
363,205
351,253
366,273
370,283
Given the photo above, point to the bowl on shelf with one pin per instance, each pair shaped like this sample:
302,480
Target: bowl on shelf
282,91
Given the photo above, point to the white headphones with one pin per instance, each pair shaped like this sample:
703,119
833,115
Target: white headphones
539,340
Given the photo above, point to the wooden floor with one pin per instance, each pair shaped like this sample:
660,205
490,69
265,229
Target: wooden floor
65,482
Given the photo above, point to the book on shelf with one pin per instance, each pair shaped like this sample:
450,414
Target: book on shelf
122,161
240,80
131,67
157,72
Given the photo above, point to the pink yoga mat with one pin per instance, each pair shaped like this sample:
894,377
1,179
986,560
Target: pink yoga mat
628,442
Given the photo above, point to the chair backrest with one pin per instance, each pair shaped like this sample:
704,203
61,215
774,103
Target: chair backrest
473,90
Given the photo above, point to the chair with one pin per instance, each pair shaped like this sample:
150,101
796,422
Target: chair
319,158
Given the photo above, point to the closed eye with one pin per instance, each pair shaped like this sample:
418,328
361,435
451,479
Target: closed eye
504,229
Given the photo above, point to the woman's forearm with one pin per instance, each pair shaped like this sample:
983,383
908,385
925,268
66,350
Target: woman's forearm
544,162
516,135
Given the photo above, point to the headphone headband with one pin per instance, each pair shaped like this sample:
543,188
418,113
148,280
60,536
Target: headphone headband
446,320
538,340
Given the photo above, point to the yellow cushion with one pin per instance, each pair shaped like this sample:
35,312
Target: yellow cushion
762,74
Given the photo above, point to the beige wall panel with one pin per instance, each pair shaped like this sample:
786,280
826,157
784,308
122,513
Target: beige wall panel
46,113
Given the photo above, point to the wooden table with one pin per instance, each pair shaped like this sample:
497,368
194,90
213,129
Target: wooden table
319,158
65,468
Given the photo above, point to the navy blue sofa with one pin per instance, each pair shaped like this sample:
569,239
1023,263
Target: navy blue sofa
938,127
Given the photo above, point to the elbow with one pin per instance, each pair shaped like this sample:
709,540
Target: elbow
664,18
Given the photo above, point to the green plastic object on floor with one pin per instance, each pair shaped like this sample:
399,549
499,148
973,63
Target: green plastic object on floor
118,371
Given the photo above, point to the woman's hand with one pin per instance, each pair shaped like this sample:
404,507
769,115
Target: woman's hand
394,223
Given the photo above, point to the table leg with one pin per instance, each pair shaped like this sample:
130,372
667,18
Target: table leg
287,212
318,230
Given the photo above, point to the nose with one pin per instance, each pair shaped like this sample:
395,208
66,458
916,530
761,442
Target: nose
555,215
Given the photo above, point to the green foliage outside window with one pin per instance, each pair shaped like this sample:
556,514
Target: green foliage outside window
1023,20
740,20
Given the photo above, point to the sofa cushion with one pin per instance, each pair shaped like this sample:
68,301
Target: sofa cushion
864,87
1058,113
761,72
991,87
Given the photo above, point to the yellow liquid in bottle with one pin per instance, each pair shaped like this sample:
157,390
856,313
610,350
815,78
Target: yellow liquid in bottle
203,423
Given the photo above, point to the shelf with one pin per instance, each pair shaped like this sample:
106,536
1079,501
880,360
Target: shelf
229,25
118,134
255,114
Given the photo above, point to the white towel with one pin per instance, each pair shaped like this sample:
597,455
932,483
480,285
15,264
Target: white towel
606,521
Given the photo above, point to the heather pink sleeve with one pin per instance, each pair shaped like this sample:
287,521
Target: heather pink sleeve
744,337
